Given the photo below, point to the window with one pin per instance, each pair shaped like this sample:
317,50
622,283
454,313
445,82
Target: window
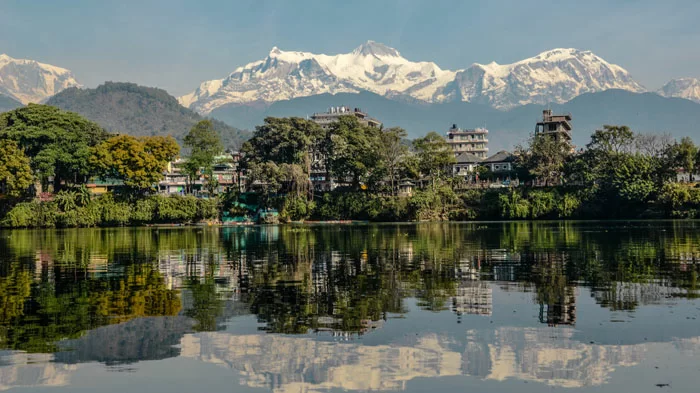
552,127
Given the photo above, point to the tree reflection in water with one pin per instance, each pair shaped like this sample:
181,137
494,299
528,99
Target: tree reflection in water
57,285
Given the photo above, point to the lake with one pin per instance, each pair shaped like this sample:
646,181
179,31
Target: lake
454,307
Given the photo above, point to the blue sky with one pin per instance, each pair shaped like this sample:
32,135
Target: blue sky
176,44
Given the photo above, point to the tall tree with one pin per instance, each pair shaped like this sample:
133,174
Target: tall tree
352,150
205,145
544,158
15,171
435,156
612,140
283,141
684,154
58,143
138,161
393,153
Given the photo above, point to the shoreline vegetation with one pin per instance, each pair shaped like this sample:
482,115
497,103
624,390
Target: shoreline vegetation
618,175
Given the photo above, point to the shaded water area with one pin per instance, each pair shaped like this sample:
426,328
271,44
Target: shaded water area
494,307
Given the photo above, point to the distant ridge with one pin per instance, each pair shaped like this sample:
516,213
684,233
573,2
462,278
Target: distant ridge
138,110
645,112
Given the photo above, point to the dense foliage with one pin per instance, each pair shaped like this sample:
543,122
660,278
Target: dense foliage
15,170
58,143
76,209
138,161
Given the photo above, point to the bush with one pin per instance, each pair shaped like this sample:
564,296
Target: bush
22,215
513,205
296,207
176,208
144,210
567,205
542,203
208,209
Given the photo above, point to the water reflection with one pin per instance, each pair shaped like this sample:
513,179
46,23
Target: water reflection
121,296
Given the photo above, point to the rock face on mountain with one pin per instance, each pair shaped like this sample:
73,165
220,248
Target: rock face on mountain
138,110
30,81
553,76
688,88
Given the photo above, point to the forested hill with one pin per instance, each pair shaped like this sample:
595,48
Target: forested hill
138,110
8,104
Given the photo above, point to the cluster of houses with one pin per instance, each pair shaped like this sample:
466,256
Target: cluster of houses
470,147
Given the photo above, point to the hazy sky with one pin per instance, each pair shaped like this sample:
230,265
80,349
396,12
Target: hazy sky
176,44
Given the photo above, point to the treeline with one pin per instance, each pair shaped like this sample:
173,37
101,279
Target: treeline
619,174
75,209
47,156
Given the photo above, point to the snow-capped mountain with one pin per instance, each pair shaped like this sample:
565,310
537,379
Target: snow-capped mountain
30,81
688,88
553,76
284,75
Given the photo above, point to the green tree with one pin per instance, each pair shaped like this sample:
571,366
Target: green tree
352,150
393,153
57,142
684,154
279,158
544,158
15,169
138,161
283,141
435,157
205,145
612,140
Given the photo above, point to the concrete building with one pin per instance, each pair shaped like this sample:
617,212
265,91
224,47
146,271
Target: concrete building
556,126
225,171
466,164
325,119
468,141
500,162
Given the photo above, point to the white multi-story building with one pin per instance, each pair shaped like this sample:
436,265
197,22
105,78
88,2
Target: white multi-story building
468,141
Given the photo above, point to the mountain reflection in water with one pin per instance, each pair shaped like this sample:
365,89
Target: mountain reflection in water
313,308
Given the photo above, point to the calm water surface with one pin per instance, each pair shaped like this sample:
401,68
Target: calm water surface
493,307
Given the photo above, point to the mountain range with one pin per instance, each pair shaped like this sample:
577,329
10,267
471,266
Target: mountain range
554,76
419,96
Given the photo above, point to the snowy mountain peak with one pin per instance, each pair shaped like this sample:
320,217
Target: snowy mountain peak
371,48
688,88
558,54
557,75
31,81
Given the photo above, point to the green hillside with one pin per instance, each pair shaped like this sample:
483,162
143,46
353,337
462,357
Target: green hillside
138,110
